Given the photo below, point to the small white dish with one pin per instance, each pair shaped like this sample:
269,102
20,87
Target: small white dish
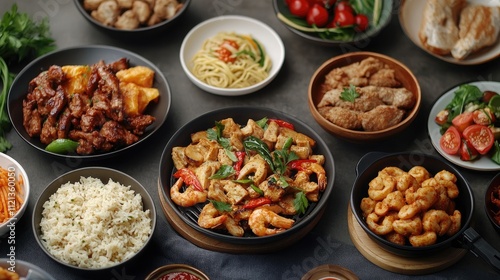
484,163
15,172
410,18
266,36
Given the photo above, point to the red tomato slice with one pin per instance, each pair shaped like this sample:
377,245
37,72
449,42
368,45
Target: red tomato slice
462,121
467,151
480,137
483,116
450,141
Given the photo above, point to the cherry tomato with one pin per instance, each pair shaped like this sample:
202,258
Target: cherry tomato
467,151
450,141
343,18
317,15
487,95
361,22
442,117
462,121
298,8
325,3
343,6
480,137
483,116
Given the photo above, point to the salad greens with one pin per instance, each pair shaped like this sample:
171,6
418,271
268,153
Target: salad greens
20,38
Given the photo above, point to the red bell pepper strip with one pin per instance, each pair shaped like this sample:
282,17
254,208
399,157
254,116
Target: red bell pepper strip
256,202
298,163
282,123
240,155
189,178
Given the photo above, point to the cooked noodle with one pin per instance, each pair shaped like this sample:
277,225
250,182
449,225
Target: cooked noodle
246,65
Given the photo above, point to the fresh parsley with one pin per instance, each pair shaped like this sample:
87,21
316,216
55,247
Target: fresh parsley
20,38
300,202
349,94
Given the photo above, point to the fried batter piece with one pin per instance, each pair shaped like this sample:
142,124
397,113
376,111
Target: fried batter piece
369,71
382,102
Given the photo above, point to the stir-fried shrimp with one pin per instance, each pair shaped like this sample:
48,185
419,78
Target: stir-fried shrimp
189,197
247,174
256,168
437,221
412,207
265,222
318,170
210,217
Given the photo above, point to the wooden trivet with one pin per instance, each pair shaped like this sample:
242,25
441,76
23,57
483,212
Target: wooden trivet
399,264
206,242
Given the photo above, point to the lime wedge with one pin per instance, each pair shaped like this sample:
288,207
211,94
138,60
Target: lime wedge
495,103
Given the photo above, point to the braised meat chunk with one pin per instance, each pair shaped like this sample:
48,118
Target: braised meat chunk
86,104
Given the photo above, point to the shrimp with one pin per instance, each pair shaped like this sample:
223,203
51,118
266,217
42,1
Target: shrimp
311,189
448,180
405,182
419,173
256,166
437,221
456,223
380,187
393,201
367,206
424,239
233,227
313,167
189,197
261,218
210,217
425,197
396,238
408,227
385,227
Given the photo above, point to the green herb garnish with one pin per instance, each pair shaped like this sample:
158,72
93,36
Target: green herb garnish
349,94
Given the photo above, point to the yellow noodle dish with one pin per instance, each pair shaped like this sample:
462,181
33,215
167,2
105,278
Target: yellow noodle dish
231,60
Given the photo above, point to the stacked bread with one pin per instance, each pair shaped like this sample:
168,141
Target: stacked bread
458,28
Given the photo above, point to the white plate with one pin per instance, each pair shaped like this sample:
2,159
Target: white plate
268,38
410,17
484,163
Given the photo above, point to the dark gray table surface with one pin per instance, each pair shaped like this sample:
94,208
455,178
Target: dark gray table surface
329,242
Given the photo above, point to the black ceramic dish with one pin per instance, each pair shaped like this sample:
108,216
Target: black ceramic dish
360,40
368,168
241,116
104,174
489,207
139,33
85,55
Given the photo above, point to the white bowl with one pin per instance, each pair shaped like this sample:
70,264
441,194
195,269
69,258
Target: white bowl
16,171
266,36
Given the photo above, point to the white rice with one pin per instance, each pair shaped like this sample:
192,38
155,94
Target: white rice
94,225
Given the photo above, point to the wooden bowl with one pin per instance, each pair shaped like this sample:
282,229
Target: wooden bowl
403,74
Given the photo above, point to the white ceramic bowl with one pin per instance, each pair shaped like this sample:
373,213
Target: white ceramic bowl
17,171
268,38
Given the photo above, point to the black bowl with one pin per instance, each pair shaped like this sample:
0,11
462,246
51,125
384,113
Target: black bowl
368,168
489,207
85,55
359,40
104,174
139,33
241,115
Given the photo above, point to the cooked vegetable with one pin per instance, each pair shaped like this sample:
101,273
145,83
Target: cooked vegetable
189,178
20,38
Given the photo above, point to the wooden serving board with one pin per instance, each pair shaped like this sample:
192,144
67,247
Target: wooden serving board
396,263
201,240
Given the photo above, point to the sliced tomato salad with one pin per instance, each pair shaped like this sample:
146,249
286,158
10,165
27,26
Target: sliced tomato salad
470,124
